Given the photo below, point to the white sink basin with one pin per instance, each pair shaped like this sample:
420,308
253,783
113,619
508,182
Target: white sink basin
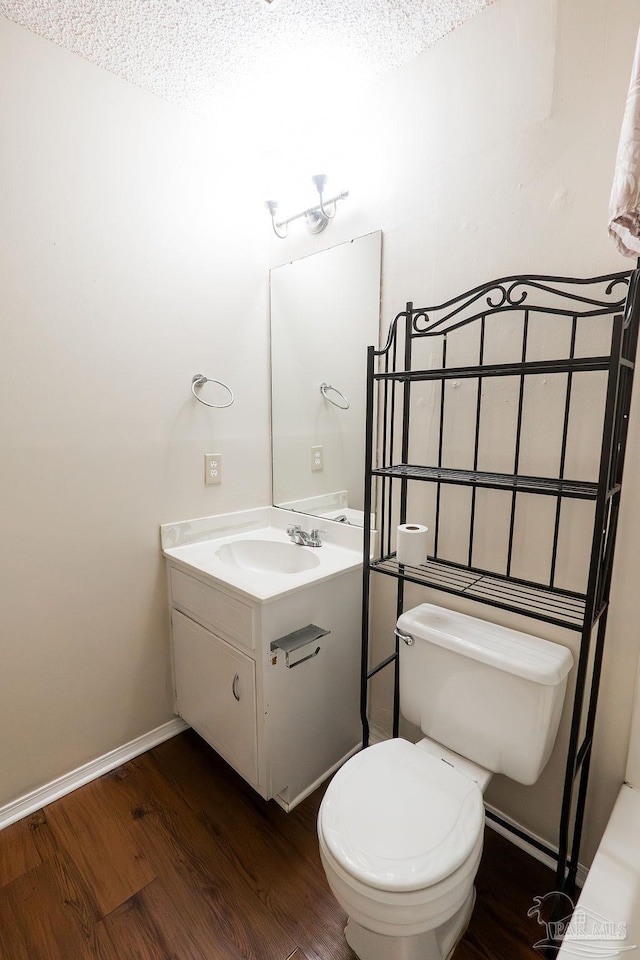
267,556
249,551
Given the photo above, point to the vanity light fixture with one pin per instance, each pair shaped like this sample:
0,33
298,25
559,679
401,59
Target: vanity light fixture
316,218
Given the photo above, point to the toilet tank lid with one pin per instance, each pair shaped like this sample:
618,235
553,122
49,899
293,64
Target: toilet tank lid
520,654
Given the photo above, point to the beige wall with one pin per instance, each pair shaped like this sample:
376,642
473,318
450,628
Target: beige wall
124,272
129,261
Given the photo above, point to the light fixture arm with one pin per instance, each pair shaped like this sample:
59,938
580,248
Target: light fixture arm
272,206
320,182
316,209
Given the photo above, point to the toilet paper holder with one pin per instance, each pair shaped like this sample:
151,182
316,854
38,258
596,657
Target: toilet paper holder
299,638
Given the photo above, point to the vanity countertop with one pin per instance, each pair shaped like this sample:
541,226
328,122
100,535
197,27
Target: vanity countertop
250,552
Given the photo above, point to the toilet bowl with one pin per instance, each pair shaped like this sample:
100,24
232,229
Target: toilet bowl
400,832
401,825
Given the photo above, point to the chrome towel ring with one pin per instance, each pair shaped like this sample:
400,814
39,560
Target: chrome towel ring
324,387
199,380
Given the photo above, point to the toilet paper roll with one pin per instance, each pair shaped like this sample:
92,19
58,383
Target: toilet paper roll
411,543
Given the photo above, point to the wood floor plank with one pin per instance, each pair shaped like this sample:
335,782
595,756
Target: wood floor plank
197,875
147,927
291,887
19,852
100,843
47,914
43,839
13,943
298,828
469,951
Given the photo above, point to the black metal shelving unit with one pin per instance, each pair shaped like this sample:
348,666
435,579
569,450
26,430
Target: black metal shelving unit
590,329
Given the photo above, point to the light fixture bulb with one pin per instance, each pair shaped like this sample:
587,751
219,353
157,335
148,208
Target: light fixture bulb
320,181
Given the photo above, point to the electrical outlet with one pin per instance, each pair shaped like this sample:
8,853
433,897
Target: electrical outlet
317,458
212,468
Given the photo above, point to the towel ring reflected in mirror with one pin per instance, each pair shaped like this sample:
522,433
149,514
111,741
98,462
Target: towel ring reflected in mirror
199,381
325,387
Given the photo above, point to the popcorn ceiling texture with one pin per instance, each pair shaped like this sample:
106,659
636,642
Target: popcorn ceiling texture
197,53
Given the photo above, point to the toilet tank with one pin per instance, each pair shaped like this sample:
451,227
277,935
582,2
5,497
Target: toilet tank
491,694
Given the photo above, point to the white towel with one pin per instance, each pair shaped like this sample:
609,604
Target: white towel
624,206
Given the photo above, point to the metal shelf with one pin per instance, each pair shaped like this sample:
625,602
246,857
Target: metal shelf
577,489
561,607
541,367
521,307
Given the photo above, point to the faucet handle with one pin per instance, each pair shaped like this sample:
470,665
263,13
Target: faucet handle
293,528
315,536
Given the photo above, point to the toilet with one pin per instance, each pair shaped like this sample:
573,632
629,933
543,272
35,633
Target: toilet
401,825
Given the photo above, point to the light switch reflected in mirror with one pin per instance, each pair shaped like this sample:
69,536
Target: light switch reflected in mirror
325,312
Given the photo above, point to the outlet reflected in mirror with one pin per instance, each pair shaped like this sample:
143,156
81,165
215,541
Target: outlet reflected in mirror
325,312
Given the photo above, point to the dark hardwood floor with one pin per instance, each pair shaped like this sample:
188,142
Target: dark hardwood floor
174,857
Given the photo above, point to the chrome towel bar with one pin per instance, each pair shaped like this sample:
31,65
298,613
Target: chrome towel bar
324,387
199,380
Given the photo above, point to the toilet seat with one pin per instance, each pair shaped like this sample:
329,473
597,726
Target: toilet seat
397,818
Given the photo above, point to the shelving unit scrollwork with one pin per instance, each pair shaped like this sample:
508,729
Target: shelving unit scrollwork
501,412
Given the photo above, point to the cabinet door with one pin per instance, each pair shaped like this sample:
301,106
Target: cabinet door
216,693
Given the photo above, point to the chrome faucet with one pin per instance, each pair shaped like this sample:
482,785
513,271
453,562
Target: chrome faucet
302,538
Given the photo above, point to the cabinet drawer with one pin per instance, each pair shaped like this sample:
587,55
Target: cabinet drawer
227,617
216,693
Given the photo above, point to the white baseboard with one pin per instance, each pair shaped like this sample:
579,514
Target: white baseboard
33,801
529,848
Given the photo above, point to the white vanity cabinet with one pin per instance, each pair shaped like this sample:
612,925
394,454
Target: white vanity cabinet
215,687
284,720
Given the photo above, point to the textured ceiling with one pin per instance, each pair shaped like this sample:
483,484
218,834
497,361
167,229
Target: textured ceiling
280,57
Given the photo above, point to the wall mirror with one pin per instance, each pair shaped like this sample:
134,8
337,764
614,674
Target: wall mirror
325,311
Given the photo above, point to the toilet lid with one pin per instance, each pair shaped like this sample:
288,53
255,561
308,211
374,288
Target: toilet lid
399,818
